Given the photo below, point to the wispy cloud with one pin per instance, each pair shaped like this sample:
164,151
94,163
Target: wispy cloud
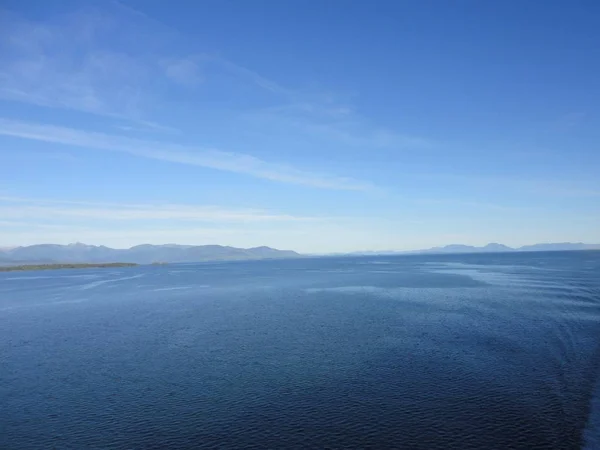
19,208
214,159
80,61
184,71
353,132
551,187
251,76
25,225
335,122
91,61
26,156
315,113
470,205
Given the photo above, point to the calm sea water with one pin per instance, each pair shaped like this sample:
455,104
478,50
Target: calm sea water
416,352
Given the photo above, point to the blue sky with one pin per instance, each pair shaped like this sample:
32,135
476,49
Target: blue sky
320,126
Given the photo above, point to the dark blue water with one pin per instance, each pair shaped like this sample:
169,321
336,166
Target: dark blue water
417,352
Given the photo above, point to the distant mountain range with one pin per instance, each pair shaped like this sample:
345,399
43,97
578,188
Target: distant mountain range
141,254
495,248
174,253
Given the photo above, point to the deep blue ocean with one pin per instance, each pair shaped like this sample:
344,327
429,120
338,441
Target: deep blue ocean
496,351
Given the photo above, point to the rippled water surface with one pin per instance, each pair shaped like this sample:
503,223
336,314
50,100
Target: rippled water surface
424,352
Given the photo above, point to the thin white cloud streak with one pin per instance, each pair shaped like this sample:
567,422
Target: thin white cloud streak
317,114
39,209
24,225
551,187
209,158
336,123
343,132
471,205
253,77
167,213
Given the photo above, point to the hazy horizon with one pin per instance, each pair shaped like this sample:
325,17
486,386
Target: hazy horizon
337,127
596,246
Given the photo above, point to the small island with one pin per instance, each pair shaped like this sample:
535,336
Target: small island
63,266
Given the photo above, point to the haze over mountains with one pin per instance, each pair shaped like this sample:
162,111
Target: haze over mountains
497,248
174,253
141,254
